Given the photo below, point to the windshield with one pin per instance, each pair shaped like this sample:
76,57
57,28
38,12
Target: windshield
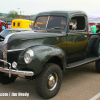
50,22
6,32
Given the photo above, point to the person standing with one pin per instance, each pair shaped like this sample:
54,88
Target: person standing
98,28
6,25
3,27
94,29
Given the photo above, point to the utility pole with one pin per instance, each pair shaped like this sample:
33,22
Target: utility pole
20,14
18,10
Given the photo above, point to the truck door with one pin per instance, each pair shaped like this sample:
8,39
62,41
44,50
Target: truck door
77,37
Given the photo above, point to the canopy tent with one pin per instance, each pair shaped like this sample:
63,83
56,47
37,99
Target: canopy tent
94,17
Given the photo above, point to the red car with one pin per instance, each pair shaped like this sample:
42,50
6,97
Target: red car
2,23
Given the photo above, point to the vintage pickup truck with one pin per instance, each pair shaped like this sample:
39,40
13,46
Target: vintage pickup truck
59,41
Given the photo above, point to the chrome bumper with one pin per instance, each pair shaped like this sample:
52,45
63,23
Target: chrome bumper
16,72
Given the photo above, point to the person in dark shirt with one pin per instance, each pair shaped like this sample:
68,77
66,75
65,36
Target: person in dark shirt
98,28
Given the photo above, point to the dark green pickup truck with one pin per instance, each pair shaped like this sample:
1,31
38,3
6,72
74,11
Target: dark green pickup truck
59,41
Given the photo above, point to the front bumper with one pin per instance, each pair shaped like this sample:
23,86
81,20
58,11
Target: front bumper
15,72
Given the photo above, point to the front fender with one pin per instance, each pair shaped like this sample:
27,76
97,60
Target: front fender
42,54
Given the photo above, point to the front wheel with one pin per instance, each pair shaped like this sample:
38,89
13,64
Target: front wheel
4,79
49,81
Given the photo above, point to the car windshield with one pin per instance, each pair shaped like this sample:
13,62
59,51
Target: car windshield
4,33
50,22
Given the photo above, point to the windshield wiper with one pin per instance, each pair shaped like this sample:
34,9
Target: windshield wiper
38,27
1,38
56,28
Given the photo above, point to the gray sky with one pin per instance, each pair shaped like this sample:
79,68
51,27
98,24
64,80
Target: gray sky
30,7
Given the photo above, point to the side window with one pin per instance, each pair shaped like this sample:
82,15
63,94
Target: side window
41,22
77,23
13,23
18,24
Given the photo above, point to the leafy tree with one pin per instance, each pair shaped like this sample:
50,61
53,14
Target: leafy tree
1,14
12,14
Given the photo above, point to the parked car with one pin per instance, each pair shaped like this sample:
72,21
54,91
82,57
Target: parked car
2,23
22,23
5,32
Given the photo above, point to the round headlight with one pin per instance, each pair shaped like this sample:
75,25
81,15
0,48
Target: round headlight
28,56
14,65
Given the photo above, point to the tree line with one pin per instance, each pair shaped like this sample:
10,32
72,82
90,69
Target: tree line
11,14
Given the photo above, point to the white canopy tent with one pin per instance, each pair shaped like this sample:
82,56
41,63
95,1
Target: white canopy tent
94,17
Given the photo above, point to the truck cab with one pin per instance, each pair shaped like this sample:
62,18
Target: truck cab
73,26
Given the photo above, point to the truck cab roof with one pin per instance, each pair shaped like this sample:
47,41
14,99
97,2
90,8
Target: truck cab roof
66,13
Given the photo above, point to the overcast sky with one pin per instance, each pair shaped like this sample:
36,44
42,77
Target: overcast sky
30,7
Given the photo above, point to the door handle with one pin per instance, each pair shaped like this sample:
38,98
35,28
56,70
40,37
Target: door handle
57,38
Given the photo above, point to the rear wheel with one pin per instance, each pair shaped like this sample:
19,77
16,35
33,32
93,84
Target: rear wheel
99,48
97,65
49,81
4,79
96,48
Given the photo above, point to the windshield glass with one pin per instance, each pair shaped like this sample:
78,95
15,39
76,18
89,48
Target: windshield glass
6,32
50,22
41,22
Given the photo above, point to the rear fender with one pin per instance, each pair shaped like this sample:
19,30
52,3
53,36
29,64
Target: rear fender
96,47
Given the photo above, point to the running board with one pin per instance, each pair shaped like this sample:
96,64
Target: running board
82,62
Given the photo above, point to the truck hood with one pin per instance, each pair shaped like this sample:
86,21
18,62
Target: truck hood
33,35
31,38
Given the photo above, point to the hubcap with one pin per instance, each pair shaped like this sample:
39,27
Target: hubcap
52,81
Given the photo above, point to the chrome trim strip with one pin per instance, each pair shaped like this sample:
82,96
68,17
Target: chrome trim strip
4,43
14,50
5,58
7,37
47,21
5,62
